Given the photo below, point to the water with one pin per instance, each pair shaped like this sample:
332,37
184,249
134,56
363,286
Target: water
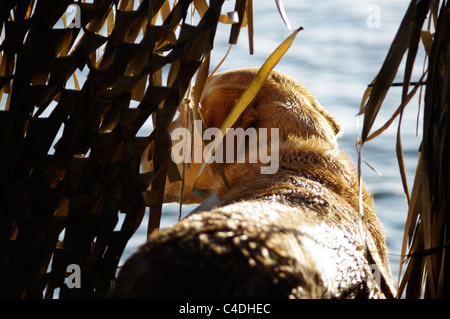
335,56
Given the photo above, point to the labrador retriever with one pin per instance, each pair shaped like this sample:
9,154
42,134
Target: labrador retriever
294,233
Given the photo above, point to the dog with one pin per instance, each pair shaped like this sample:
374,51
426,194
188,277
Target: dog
297,233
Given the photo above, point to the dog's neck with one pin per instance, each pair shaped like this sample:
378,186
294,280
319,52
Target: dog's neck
306,164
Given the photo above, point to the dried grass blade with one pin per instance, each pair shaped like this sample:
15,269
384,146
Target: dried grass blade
416,26
165,10
250,26
64,20
412,52
410,280
221,61
365,97
415,206
75,81
401,162
240,8
200,81
110,21
283,14
225,18
427,40
397,111
201,6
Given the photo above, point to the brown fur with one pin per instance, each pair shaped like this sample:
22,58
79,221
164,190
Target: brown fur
265,239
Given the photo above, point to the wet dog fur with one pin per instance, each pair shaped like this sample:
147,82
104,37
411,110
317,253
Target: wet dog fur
293,234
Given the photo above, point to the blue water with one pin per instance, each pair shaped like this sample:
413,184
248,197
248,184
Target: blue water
335,56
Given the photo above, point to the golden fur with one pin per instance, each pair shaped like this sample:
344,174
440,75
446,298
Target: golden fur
314,195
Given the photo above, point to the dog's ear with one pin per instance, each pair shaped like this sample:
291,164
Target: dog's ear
333,123
327,123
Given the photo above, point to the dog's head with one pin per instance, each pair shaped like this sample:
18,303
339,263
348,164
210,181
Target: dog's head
282,103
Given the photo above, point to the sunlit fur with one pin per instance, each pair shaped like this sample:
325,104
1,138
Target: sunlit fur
314,194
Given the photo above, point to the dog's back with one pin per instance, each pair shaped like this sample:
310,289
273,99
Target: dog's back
271,246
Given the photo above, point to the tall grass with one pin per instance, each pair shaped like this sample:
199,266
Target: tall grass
69,143
426,235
